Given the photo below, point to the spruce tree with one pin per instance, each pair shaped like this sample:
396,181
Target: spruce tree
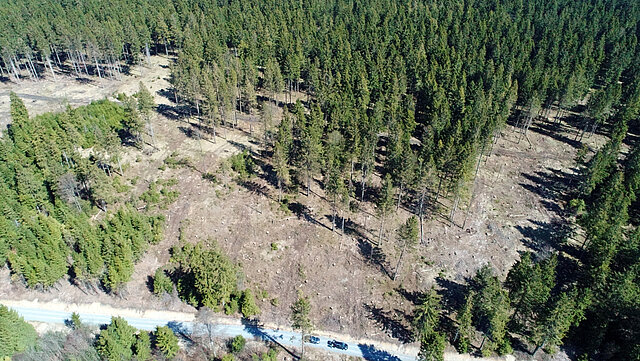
166,341
385,203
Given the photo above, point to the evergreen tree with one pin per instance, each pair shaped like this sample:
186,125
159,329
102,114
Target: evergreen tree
248,305
166,341
565,311
465,327
300,317
385,203
491,311
142,347
530,287
407,237
15,334
117,340
146,104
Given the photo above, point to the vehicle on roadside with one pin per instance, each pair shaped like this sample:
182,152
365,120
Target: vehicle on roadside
311,339
337,344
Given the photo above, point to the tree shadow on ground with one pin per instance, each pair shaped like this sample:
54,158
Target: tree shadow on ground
255,187
519,345
149,283
373,255
451,293
553,186
254,327
181,330
191,133
389,322
170,112
370,353
415,297
544,237
355,230
303,212
557,131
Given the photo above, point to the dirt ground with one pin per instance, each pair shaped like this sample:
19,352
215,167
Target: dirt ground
513,208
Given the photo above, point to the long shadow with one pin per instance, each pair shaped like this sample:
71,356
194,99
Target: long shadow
190,132
167,93
303,212
389,322
370,353
171,112
255,187
181,330
353,229
373,255
545,236
451,293
414,297
253,327
553,185
555,131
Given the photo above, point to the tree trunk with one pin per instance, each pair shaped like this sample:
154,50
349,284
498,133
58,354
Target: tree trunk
454,209
57,56
84,64
399,197
235,119
53,74
97,67
380,233
404,247
32,69
438,191
166,51
153,136
364,176
16,73
538,347
351,175
146,51
333,220
421,216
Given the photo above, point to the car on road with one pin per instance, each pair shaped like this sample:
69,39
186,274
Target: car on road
337,344
311,339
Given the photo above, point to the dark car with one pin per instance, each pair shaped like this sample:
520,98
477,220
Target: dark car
337,344
311,339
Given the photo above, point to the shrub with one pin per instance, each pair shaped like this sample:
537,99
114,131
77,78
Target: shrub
248,305
161,283
231,307
237,344
243,164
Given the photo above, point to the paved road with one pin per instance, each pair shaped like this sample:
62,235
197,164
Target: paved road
285,339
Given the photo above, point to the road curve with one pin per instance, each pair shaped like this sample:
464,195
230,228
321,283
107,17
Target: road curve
285,339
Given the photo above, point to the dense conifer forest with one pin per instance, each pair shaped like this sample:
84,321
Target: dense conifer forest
416,91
